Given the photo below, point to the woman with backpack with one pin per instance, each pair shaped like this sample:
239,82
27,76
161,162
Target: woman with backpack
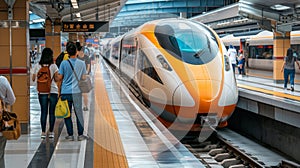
44,73
289,68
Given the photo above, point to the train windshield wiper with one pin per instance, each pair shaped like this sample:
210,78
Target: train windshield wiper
200,52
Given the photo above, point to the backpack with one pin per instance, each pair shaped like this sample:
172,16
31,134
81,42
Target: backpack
87,51
62,56
44,80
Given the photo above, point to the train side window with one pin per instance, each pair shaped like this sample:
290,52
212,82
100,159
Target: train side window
128,51
145,66
115,50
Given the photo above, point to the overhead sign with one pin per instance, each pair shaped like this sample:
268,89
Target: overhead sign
80,26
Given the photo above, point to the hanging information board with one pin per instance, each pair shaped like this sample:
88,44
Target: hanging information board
81,26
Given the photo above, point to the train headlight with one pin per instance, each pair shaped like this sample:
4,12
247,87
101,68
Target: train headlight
164,63
227,63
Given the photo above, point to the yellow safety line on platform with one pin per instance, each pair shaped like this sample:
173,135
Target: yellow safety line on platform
108,148
266,76
279,94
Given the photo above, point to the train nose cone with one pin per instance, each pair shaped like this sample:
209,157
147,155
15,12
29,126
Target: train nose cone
203,93
204,90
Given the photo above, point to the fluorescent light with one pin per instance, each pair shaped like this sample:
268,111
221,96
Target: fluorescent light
38,20
30,12
74,4
78,15
279,7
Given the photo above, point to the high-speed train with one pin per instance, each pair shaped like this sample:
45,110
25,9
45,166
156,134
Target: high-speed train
180,70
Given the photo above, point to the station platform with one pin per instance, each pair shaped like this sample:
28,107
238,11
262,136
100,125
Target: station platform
268,113
124,134
120,132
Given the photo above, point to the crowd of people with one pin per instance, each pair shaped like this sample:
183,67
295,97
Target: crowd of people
65,86
288,66
237,59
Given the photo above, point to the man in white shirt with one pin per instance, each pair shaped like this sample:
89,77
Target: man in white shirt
232,54
7,96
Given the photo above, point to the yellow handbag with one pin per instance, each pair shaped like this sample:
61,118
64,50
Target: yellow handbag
62,109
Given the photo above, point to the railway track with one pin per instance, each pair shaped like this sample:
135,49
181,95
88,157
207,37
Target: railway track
217,152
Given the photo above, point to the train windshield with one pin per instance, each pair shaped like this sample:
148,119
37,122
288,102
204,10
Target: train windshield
190,42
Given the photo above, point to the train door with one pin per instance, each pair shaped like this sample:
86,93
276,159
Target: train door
140,67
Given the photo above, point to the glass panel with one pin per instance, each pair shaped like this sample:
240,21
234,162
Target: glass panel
188,41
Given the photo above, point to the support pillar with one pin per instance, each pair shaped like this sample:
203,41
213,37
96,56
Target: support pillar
52,33
14,47
48,33
281,43
56,38
81,39
73,37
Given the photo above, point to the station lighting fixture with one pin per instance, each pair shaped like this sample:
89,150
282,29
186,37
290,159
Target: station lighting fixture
78,15
38,20
279,7
74,4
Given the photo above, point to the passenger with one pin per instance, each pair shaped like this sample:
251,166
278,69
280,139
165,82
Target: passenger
241,64
47,100
7,96
62,56
70,90
289,68
232,56
87,61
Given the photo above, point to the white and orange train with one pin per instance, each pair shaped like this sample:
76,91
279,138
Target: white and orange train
180,70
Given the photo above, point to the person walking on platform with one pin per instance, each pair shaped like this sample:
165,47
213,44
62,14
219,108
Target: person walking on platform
289,68
47,99
232,56
7,97
87,61
241,64
70,90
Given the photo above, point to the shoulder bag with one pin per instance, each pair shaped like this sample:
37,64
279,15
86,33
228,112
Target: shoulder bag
84,85
9,124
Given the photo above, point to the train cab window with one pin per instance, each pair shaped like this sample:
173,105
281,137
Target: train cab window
190,42
145,66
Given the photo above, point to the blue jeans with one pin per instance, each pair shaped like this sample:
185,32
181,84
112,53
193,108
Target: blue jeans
233,68
76,100
287,73
48,103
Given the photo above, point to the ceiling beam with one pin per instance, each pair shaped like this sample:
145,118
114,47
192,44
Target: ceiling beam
110,8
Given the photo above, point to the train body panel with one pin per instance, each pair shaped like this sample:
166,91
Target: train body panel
181,69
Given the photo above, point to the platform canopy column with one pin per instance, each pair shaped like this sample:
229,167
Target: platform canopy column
14,47
73,37
281,43
48,33
81,38
57,37
52,33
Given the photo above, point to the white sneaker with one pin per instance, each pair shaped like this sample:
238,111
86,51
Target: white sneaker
43,135
51,134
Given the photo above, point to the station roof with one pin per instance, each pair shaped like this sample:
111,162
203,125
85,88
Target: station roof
251,15
103,10
279,15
